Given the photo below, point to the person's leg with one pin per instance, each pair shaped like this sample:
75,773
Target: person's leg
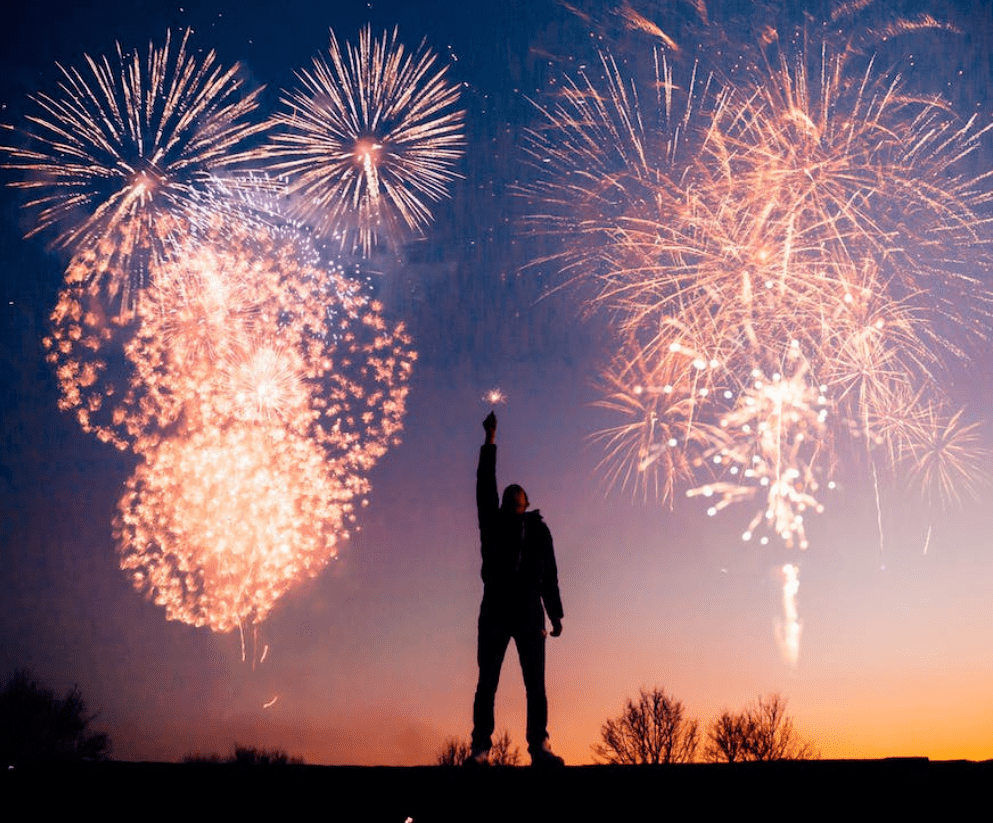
531,651
493,639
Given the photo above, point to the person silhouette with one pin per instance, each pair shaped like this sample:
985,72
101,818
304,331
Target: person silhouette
520,584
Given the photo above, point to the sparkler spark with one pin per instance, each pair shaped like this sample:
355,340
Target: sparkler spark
495,396
113,158
368,140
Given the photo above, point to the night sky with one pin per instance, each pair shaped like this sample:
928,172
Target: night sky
373,661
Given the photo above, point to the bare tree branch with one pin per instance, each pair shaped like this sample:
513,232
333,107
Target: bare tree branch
761,731
455,752
652,730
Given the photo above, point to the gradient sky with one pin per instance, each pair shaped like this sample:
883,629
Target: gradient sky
374,661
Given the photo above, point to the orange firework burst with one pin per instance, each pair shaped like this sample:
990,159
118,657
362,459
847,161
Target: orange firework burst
370,138
263,392
804,203
238,329
258,390
200,327
113,158
216,525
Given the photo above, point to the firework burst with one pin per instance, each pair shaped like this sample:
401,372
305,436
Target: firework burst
202,328
945,456
113,158
215,526
262,392
368,140
805,202
662,441
240,326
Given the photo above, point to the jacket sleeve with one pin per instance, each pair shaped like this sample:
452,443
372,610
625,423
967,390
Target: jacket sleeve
550,581
487,499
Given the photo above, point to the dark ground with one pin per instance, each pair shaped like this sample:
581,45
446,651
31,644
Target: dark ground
818,790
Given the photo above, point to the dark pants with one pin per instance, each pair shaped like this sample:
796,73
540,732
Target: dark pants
495,632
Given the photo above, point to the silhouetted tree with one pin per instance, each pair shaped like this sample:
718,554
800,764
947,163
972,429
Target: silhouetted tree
502,753
762,731
251,756
198,759
247,756
726,738
652,730
455,752
37,726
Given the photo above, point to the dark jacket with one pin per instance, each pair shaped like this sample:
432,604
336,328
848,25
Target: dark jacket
519,572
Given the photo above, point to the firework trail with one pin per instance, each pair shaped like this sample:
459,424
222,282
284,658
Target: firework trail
368,139
113,158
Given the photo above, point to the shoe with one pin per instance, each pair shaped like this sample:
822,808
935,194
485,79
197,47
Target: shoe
544,757
478,756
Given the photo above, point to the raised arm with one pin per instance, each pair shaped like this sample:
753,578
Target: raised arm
487,497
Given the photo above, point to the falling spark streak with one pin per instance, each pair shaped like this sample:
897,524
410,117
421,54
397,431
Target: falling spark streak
789,631
270,703
368,140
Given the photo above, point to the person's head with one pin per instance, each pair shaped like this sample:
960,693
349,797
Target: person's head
515,499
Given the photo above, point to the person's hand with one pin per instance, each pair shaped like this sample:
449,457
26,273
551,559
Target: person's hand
556,628
489,424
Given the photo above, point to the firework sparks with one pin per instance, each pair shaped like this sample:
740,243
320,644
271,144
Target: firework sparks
216,526
771,444
945,456
662,439
807,200
369,139
114,157
201,327
258,390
